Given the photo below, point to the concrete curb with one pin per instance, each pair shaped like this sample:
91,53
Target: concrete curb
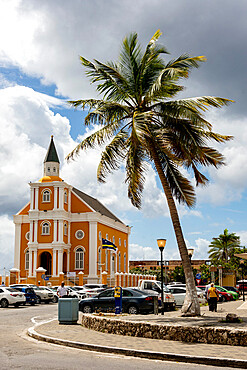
163,356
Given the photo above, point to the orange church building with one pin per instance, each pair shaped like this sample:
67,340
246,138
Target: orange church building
61,230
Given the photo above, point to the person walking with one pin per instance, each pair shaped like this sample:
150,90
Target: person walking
212,297
62,291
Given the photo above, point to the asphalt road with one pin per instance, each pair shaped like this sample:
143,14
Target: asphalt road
18,351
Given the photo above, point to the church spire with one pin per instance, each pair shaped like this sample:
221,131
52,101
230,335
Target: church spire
51,162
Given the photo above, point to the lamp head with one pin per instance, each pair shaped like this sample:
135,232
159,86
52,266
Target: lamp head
161,244
190,251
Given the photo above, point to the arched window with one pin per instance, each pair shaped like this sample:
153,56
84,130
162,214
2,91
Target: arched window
119,242
46,228
106,237
54,169
46,196
65,228
113,239
48,169
79,258
100,236
99,258
119,262
106,260
113,264
27,260
124,262
65,197
125,243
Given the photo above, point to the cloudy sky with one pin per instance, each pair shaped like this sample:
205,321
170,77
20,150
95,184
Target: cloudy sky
40,45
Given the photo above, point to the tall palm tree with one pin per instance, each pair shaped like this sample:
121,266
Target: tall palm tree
140,123
222,247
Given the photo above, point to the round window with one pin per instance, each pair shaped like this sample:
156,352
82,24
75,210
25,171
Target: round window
79,234
27,236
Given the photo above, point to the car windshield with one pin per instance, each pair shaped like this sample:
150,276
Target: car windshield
164,287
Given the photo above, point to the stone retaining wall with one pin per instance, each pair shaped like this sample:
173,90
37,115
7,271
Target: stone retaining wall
234,337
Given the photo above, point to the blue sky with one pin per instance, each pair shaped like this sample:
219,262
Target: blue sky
40,44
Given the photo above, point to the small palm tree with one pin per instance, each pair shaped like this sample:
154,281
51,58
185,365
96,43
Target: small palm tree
223,246
140,123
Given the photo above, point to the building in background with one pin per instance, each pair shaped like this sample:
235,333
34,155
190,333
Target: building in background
61,230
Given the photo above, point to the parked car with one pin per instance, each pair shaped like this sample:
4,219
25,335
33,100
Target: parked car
95,286
72,293
234,295
55,296
11,296
133,302
232,289
179,294
225,295
203,288
43,295
29,293
242,285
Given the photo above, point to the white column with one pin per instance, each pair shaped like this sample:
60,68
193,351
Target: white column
68,261
60,231
92,277
30,271
55,231
35,239
69,200
34,261
69,225
17,246
32,199
60,261
60,199
55,197
31,232
36,199
54,262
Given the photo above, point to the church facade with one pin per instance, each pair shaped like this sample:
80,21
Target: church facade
61,230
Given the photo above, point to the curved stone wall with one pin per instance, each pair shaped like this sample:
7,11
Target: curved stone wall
234,337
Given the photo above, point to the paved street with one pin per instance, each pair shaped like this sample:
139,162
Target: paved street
17,351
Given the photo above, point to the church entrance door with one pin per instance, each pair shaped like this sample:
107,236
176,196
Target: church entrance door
45,262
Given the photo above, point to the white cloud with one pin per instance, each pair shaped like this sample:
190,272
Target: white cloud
138,252
6,243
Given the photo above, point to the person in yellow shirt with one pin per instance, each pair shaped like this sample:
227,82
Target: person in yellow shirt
212,296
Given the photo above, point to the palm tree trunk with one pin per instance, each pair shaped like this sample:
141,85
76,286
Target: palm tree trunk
191,304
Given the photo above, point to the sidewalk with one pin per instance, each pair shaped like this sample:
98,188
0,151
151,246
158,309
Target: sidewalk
220,355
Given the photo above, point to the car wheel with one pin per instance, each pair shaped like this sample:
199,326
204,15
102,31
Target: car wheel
55,299
38,299
87,309
4,303
133,310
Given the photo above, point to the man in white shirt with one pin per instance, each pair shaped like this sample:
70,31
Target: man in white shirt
62,291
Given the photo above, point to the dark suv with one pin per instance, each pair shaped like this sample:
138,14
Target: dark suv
29,294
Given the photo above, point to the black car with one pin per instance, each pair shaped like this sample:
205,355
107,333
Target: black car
133,302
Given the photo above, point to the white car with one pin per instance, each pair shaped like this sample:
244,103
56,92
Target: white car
179,294
72,293
11,296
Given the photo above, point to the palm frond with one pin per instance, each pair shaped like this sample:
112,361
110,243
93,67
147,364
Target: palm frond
112,156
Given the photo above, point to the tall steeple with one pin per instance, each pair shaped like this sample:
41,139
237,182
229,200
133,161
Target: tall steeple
51,162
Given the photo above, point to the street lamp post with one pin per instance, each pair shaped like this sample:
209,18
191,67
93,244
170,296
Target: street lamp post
161,244
190,253
242,265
